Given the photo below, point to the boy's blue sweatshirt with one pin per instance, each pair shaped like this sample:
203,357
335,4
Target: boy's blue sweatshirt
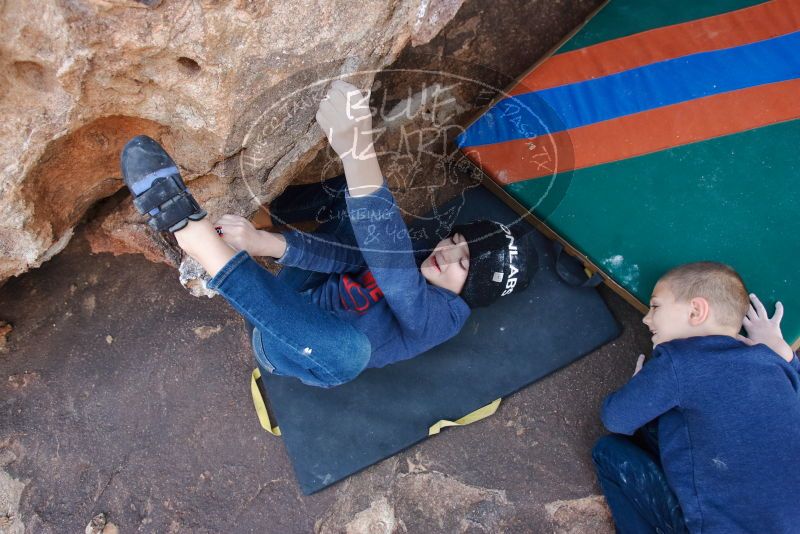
378,287
728,431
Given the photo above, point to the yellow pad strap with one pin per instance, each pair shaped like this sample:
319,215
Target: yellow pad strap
266,424
471,417
261,408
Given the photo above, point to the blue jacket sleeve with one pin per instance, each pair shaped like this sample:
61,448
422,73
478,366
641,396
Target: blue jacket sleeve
388,252
320,252
649,394
795,363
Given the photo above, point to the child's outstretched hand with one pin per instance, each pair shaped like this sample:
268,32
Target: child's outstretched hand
345,117
761,328
639,364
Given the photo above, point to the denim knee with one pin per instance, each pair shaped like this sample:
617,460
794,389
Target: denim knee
606,453
618,458
346,364
354,360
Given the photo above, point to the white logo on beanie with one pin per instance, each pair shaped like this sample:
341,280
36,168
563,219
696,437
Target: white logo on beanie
512,254
497,277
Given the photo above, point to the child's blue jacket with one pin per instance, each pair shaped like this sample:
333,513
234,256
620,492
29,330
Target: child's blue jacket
728,431
378,286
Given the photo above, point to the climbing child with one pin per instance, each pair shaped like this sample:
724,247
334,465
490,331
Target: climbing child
716,415
350,295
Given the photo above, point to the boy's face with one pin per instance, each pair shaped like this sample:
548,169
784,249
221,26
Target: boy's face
448,264
667,318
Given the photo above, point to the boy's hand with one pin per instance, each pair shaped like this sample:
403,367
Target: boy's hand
240,234
345,117
761,328
639,364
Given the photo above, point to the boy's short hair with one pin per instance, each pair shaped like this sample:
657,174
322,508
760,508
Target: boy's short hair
718,283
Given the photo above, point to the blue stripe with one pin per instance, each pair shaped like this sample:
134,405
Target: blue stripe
636,90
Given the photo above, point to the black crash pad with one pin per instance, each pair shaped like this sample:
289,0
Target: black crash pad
332,433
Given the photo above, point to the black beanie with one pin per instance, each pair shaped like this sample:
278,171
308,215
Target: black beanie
500,261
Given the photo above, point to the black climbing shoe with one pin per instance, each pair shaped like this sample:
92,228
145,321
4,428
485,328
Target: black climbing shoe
156,185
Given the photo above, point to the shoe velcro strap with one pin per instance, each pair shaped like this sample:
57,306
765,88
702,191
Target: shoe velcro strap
173,211
161,190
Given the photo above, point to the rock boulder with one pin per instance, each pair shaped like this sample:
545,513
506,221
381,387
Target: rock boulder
78,78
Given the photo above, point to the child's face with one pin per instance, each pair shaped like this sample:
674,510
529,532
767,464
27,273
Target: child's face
448,264
667,318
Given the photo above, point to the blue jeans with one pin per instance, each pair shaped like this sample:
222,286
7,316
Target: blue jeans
636,489
290,335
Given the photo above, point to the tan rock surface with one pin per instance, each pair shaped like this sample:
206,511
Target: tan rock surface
589,515
391,497
79,78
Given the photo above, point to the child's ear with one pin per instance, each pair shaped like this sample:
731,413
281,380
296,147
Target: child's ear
699,311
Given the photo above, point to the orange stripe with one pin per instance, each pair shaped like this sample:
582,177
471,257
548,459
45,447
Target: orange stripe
640,133
736,28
